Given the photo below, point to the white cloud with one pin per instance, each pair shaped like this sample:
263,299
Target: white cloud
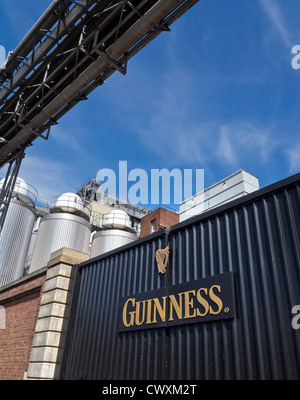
226,150
256,140
293,156
71,137
167,113
174,132
276,18
49,177
246,143
229,145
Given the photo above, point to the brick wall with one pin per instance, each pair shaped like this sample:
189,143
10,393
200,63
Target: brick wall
21,302
163,217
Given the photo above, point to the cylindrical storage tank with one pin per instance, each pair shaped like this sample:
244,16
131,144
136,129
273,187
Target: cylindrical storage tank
23,191
68,202
117,219
116,233
110,239
14,240
20,187
31,245
59,230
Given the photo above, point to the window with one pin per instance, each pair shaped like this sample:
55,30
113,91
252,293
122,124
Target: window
153,226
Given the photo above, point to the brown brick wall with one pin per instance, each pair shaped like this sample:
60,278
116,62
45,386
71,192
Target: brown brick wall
21,301
162,216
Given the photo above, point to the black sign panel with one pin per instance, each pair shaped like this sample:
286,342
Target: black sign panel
203,300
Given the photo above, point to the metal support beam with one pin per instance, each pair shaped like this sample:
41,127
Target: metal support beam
7,188
44,79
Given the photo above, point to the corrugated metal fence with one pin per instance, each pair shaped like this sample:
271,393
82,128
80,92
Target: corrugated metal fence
257,238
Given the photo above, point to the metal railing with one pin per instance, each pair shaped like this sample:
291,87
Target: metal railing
23,191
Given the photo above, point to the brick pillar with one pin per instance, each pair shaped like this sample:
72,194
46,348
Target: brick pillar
48,342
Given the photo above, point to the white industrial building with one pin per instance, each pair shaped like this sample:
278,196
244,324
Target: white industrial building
234,186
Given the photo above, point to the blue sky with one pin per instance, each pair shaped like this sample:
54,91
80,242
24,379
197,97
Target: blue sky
217,93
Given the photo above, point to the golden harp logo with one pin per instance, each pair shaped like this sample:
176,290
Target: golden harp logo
162,258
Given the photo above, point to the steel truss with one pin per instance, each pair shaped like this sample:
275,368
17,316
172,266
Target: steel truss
8,185
72,49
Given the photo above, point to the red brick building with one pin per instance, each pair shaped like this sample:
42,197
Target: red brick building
158,219
20,302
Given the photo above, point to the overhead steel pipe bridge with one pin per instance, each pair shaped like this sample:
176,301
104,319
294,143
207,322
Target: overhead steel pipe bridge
72,49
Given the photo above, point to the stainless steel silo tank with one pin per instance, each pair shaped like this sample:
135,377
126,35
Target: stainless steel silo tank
67,225
110,239
31,244
16,232
116,232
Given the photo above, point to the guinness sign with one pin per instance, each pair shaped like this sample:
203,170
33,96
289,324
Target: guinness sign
203,300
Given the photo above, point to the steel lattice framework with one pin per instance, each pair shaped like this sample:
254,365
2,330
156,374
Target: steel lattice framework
71,50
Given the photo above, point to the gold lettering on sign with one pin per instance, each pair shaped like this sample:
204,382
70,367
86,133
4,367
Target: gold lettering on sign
174,305
131,313
189,304
203,302
149,311
139,321
184,305
161,309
